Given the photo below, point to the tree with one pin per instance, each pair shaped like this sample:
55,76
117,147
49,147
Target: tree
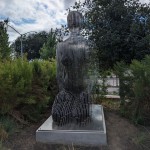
49,47
4,44
119,29
32,44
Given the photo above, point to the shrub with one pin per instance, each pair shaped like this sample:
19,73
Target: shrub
3,134
7,127
134,88
43,89
27,86
15,79
2,147
100,86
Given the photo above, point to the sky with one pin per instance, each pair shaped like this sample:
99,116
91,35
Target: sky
35,15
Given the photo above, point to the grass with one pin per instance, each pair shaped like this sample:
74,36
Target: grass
7,127
2,147
143,140
111,104
3,133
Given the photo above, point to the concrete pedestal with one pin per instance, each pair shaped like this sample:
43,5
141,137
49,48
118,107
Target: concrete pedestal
92,133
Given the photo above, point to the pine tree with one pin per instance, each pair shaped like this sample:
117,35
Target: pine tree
4,44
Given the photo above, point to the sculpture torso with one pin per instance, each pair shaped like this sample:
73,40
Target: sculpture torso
71,64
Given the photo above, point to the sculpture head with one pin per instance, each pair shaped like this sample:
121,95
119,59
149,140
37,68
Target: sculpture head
75,20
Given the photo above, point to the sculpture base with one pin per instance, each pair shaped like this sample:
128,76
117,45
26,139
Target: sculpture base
92,133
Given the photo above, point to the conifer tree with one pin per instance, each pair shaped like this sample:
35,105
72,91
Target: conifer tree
4,44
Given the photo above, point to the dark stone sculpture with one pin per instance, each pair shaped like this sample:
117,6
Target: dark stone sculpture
73,101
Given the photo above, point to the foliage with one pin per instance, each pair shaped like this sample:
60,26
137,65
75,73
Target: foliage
2,147
3,134
111,104
4,44
32,43
99,89
142,140
43,88
49,47
37,45
118,29
121,69
135,87
26,86
15,79
7,127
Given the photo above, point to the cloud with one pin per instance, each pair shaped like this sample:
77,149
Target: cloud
144,1
68,3
35,15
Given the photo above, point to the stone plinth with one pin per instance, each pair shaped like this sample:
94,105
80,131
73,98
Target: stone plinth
92,133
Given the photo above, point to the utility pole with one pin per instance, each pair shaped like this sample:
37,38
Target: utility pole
21,35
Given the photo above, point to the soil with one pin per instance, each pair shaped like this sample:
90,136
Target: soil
122,135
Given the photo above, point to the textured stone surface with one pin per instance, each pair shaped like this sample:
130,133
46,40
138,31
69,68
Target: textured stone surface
92,133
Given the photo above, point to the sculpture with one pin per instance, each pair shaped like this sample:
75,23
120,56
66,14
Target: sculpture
73,100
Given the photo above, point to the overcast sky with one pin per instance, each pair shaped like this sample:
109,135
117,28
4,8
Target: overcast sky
35,15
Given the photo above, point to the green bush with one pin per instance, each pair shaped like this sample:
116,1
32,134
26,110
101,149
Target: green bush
15,81
2,147
100,87
43,88
7,126
134,90
26,86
